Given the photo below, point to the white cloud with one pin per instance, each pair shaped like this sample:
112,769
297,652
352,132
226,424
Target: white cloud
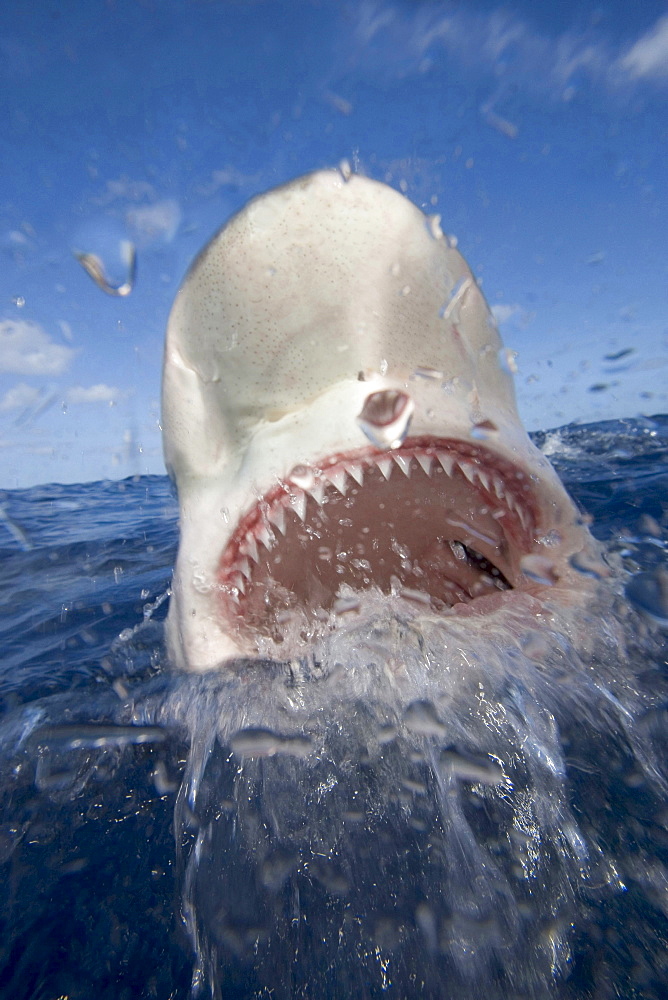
66,330
155,223
19,397
508,47
125,189
502,312
100,393
649,56
26,349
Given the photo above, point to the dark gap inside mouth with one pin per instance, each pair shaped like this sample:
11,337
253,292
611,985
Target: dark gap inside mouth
431,527
486,568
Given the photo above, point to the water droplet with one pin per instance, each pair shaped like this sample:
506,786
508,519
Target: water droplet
648,592
225,514
163,783
648,525
386,733
434,227
466,769
426,921
508,361
455,298
538,568
101,268
385,417
89,736
484,429
422,371
19,301
583,562
420,717
458,551
265,743
344,605
535,645
345,169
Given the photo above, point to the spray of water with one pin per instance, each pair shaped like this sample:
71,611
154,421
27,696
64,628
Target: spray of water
403,810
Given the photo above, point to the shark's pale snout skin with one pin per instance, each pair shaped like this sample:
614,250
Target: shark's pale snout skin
338,421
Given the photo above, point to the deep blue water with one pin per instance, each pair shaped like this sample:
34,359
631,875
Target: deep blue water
92,887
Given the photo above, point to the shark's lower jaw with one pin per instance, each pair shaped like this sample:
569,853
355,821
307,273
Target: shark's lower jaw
436,523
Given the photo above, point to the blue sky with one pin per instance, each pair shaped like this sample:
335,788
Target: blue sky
538,131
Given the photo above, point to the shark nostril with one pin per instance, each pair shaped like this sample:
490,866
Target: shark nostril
385,417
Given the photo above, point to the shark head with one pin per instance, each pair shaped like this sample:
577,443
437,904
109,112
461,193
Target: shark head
341,425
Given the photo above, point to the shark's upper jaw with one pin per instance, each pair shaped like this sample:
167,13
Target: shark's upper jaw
339,423
436,523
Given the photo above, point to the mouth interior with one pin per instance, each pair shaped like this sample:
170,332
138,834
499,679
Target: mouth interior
437,524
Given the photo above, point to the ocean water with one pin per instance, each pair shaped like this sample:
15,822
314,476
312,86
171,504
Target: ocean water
357,824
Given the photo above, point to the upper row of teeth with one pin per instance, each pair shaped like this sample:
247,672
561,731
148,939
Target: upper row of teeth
315,483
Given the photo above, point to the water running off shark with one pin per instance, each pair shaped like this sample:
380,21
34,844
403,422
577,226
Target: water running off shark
341,425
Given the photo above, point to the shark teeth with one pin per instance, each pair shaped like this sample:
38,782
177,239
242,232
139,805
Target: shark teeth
318,492
276,515
499,488
356,472
469,471
298,504
446,462
340,476
250,546
317,486
484,479
337,477
425,461
385,465
404,464
265,536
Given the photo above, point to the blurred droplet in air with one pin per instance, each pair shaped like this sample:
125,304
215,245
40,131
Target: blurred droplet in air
420,717
345,170
106,254
484,429
423,371
265,743
434,227
508,361
648,592
94,266
538,568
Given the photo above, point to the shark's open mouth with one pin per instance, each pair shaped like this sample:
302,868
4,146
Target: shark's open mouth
435,522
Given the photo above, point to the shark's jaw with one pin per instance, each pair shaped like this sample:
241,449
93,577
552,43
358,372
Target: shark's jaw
342,431
435,523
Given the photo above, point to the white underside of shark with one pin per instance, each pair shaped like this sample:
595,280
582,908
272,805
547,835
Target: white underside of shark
340,424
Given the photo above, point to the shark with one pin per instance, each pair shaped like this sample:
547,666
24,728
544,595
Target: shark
340,420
